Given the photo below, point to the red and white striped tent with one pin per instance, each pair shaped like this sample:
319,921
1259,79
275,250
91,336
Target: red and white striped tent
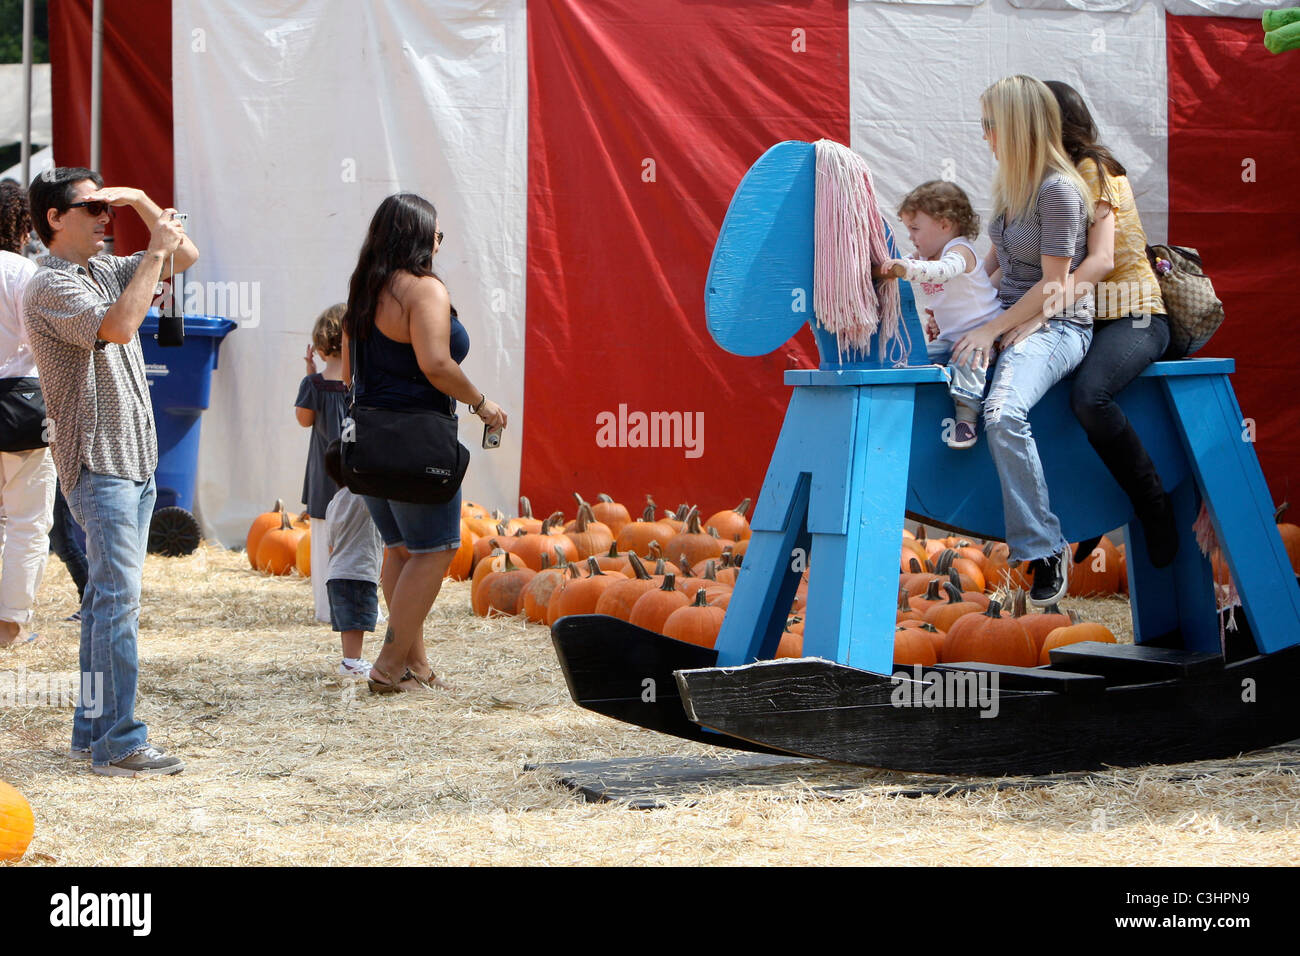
582,153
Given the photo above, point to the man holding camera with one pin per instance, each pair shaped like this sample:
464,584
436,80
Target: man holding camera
83,312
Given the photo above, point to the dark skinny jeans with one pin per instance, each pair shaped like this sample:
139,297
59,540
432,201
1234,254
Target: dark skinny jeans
64,544
1121,349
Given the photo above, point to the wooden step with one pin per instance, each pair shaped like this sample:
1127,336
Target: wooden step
1032,678
1133,663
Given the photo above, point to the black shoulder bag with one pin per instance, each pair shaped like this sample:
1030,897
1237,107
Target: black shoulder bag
22,415
409,455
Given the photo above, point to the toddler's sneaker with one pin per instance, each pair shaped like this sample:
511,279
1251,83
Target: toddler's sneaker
1050,580
355,667
964,435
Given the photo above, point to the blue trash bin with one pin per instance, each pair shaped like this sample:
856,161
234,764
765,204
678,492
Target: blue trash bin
180,383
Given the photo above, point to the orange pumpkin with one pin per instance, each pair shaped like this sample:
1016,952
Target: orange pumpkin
580,595
696,623
991,638
302,561
277,552
610,512
500,590
617,600
732,524
17,824
692,543
1290,535
529,548
260,526
1098,573
526,520
1074,634
588,535
652,609
944,616
536,595
463,560
913,647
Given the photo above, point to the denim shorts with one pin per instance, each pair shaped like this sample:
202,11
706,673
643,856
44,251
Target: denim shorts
421,529
354,605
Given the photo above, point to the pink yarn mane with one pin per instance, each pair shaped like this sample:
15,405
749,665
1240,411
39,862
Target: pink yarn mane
849,236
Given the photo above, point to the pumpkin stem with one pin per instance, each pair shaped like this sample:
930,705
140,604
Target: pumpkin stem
548,526
726,560
1074,615
932,590
579,499
713,532
637,566
914,566
670,582
546,560
687,570
741,508
593,568
285,523
1281,510
994,609
902,600
710,570
279,505
693,521
682,511
654,550
701,599
1018,606
953,592
613,551
661,567
525,507
507,565
648,515
502,528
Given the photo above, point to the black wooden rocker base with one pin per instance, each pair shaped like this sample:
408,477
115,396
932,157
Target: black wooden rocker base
1097,705
627,672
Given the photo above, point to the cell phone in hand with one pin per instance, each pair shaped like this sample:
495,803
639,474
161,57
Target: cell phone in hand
492,436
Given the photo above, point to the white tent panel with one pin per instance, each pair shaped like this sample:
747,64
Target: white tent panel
13,109
917,72
293,121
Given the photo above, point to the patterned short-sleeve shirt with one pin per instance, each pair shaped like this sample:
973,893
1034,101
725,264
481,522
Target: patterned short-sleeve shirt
96,392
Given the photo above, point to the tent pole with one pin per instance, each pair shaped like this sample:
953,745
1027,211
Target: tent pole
26,149
96,85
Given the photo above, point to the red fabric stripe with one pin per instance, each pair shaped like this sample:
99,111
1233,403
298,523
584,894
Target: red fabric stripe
616,265
1230,100
136,138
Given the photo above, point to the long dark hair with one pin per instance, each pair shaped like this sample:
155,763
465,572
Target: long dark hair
400,239
1079,132
15,221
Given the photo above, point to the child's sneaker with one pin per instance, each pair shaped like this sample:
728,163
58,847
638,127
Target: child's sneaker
964,435
355,667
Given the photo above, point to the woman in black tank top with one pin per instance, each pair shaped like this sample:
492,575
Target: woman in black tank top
394,279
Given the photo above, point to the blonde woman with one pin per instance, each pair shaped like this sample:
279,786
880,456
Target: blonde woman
1039,229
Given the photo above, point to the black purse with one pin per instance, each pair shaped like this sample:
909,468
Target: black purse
22,415
411,455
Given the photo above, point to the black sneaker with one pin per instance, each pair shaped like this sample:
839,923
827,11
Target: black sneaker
149,762
1049,579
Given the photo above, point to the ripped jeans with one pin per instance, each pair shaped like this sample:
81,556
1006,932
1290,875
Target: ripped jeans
1022,376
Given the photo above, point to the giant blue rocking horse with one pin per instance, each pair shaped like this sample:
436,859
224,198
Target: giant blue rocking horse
860,447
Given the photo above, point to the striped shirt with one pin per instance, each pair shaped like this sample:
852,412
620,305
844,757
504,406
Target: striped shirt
1058,226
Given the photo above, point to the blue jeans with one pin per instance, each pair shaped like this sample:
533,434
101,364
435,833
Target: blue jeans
115,512
1022,376
966,385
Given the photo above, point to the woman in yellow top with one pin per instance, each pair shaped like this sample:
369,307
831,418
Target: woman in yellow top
1130,330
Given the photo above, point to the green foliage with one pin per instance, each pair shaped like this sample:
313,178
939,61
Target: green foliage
11,31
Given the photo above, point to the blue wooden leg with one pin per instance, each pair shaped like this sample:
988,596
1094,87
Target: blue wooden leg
853,589
1179,596
1240,505
810,462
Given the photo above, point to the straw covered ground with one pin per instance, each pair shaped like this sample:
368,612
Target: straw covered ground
288,763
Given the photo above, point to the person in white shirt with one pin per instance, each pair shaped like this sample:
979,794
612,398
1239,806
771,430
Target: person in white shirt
27,476
956,291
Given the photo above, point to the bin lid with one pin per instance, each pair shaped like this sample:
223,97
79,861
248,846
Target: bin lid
210,325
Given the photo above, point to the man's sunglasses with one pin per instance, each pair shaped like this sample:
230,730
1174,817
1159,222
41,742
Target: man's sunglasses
96,207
